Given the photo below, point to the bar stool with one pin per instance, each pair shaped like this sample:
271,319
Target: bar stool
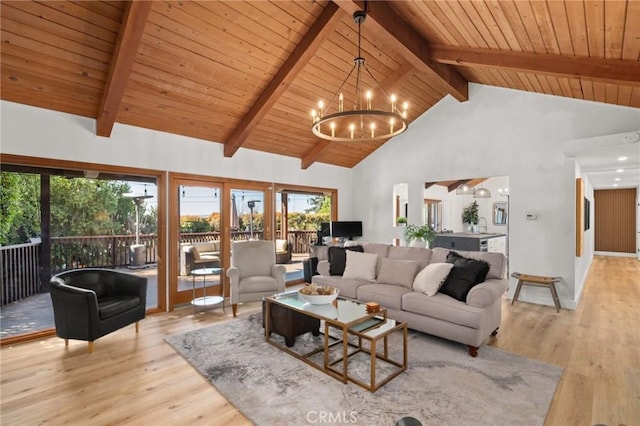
537,281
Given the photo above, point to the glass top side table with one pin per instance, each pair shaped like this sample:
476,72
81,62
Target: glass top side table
206,301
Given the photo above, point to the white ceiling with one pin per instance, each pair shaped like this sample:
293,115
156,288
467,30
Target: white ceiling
599,159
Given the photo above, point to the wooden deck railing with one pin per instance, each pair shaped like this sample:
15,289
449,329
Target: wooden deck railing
21,263
301,241
20,271
104,251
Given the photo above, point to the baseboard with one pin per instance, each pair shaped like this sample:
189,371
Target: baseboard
614,253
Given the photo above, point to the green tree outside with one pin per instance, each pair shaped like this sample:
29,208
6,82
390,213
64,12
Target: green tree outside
79,207
191,224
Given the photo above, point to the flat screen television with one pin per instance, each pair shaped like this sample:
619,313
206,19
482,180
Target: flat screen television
346,229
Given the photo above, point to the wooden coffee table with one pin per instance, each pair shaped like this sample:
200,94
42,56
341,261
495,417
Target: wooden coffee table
350,318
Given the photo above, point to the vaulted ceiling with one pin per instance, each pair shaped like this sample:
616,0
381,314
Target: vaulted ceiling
247,73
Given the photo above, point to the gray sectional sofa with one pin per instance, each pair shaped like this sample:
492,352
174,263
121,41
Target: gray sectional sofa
469,322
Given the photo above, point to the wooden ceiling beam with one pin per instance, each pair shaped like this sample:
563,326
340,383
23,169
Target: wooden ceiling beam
313,154
399,36
131,29
614,71
391,83
457,183
321,29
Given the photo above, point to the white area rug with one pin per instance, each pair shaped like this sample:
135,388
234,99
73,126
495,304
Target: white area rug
442,386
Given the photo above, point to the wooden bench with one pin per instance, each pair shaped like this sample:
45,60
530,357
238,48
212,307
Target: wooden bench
537,281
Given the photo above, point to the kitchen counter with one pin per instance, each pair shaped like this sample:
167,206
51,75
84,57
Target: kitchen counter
471,234
470,241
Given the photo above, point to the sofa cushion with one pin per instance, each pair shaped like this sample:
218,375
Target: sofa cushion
353,243
209,246
348,287
382,250
195,253
111,306
282,246
444,308
360,265
206,250
418,254
463,276
338,258
387,295
397,272
439,254
257,284
431,278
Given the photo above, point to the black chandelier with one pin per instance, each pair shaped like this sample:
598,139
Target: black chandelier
362,123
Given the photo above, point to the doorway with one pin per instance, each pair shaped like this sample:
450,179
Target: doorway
615,220
206,214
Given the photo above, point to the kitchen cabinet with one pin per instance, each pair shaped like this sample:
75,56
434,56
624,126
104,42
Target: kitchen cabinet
471,242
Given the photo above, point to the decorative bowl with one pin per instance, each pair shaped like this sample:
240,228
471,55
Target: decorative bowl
319,299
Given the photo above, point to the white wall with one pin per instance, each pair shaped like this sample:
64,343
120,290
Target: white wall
37,132
498,132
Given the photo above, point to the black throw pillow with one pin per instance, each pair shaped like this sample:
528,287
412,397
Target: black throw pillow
338,258
465,274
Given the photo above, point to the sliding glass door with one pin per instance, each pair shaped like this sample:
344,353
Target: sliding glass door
205,216
247,214
300,213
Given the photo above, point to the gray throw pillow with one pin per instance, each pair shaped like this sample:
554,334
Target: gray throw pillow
397,272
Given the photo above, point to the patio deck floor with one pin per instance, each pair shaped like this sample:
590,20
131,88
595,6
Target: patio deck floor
35,313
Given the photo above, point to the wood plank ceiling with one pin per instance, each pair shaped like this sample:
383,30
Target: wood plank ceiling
247,73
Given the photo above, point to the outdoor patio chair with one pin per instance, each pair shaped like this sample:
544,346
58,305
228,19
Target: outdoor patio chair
254,273
92,302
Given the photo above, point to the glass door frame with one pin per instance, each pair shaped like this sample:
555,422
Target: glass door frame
80,167
176,180
299,189
310,190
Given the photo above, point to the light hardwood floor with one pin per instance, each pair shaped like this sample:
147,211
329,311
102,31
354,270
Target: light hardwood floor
139,379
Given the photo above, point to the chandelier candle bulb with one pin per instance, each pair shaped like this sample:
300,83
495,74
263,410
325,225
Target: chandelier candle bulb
320,107
373,129
368,97
391,123
341,103
352,127
333,129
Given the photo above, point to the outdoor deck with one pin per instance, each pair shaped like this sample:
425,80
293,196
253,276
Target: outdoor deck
34,313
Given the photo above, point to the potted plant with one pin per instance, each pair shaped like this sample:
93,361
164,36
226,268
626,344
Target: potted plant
422,234
401,221
470,215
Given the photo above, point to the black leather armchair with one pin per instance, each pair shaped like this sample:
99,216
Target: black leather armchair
91,302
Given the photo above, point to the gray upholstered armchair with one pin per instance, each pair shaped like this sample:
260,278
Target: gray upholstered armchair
254,273
91,302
